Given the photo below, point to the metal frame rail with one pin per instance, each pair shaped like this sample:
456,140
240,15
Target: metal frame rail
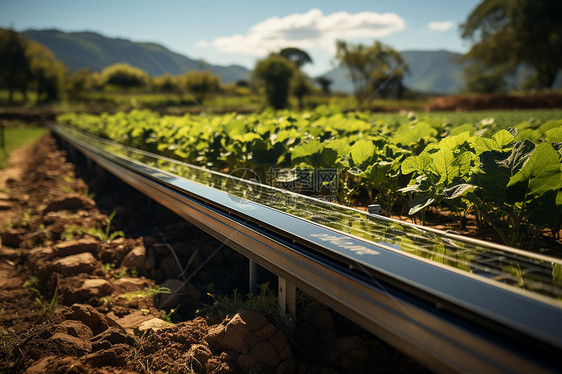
447,320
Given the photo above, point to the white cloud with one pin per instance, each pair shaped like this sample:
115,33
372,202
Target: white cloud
312,29
440,25
202,43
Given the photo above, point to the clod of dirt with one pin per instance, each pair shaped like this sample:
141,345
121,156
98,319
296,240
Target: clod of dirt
74,328
72,202
75,290
112,336
129,284
115,355
76,246
54,364
135,259
12,237
259,345
75,264
169,349
89,316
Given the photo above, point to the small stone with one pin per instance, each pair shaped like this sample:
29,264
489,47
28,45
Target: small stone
133,320
151,325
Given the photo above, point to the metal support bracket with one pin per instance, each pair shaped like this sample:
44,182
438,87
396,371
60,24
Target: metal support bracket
287,295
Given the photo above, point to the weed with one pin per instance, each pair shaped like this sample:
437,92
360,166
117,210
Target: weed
148,291
265,302
103,235
168,316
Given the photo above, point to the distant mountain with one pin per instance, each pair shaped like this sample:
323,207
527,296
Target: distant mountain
95,52
430,71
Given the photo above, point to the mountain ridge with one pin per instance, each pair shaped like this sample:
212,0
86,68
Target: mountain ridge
92,50
430,71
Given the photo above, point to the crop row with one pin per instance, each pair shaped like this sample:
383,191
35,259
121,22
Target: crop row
509,179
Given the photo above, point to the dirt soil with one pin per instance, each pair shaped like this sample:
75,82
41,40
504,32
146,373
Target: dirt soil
495,101
74,301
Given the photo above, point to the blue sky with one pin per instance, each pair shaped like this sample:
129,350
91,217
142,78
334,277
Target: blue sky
240,32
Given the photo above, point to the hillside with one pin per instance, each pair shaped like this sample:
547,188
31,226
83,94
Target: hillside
430,71
95,52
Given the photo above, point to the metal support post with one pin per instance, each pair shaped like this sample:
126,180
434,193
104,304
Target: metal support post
253,278
287,294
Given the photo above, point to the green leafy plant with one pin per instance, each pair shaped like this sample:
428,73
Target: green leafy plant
102,234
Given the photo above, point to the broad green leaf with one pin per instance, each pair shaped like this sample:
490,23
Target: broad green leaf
458,190
463,128
407,135
544,208
498,142
452,142
420,202
307,149
554,135
444,165
340,145
541,173
362,151
497,168
420,164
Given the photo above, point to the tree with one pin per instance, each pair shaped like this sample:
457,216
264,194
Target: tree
300,87
48,73
166,83
507,33
200,83
296,55
275,72
78,82
15,70
372,69
299,83
124,76
325,83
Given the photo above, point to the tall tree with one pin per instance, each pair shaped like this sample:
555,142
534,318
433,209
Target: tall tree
296,55
124,76
325,83
48,72
200,83
275,72
507,33
372,69
15,70
300,85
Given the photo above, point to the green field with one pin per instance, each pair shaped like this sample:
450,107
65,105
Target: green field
16,137
502,167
